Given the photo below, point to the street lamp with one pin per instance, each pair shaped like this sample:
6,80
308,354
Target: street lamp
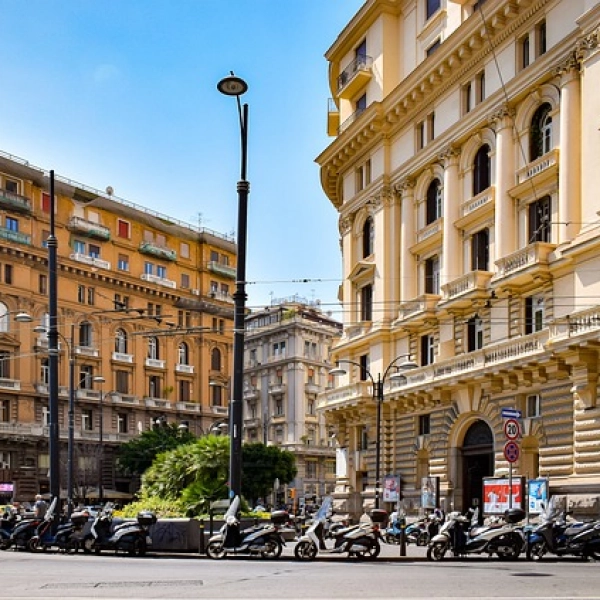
378,397
234,86
71,439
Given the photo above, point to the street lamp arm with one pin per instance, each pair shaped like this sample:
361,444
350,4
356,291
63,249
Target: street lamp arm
339,371
393,365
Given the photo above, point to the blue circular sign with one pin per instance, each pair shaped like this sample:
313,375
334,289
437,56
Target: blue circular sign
511,452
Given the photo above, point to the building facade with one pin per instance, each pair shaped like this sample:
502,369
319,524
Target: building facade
145,321
464,168
286,366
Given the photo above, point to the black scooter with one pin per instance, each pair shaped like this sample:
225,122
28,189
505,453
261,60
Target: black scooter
66,538
557,536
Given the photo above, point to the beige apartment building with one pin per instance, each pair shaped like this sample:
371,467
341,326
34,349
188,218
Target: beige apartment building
286,366
465,165
144,304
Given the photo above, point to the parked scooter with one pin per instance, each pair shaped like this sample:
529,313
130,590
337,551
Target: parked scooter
8,522
67,537
361,540
24,530
260,540
130,536
556,535
460,535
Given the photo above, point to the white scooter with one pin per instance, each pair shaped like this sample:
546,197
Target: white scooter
361,540
261,540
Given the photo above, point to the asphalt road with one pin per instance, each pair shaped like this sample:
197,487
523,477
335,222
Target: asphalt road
110,577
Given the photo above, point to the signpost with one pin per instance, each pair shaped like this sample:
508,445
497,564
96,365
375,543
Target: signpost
512,431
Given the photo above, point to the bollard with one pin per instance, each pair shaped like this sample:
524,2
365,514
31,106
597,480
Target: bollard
402,521
201,548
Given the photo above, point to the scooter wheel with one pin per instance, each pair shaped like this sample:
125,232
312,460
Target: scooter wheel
423,539
215,550
536,551
437,551
305,550
372,549
513,549
34,544
71,547
274,549
89,545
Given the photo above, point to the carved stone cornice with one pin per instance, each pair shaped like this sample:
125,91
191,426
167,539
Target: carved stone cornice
450,155
383,197
345,224
405,186
587,44
503,116
571,64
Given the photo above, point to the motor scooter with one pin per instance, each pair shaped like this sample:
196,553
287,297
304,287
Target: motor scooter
8,522
24,530
556,535
130,536
361,540
261,540
66,538
462,536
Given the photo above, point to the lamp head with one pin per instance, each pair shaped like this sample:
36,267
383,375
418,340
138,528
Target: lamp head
99,379
232,86
23,317
337,370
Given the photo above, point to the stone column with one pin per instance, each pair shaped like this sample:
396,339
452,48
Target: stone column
569,162
451,245
408,269
504,222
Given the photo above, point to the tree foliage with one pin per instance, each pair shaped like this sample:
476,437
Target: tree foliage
134,457
261,466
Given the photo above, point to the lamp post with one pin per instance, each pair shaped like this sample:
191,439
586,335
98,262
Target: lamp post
378,397
234,86
99,379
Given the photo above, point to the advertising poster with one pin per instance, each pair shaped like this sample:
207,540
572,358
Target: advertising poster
537,494
391,488
430,492
496,497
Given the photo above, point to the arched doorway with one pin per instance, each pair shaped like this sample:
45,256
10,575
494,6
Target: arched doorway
477,462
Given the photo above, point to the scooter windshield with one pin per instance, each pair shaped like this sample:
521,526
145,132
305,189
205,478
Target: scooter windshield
325,509
551,511
233,508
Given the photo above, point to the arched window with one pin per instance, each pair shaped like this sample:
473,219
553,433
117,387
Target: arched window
121,341
541,132
4,317
481,170
153,348
368,237
215,359
433,210
183,352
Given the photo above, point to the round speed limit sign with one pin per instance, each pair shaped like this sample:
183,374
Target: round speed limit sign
511,429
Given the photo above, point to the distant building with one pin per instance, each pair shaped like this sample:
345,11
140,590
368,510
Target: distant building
286,366
465,166
144,301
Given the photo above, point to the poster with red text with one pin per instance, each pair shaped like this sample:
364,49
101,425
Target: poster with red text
496,497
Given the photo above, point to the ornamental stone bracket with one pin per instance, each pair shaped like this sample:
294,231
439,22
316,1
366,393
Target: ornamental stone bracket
584,374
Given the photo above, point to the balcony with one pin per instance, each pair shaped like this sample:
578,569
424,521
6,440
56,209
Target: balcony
333,118
476,208
155,363
312,388
90,351
277,389
537,167
14,202
89,228
122,357
128,399
93,261
219,410
155,250
151,402
10,384
221,269
429,237
251,393
188,406
462,292
415,312
355,76
347,122
181,368
87,394
525,266
158,280
15,236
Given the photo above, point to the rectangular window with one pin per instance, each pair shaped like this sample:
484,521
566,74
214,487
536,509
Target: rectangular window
360,179
361,104
432,275
467,100
427,350
420,133
122,382
214,256
424,424
78,247
432,6
475,334
148,268
311,469
366,303
480,87
81,294
184,391
10,185
216,395
534,314
184,250
4,411
161,271
533,408
122,423
8,274
45,236
94,251
5,364
364,367
480,250
45,202
11,224
185,281
541,39
430,127
43,284
123,262
123,229
86,377
87,420
524,52
539,220
91,296
431,49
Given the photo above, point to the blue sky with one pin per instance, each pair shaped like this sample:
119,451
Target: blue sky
123,93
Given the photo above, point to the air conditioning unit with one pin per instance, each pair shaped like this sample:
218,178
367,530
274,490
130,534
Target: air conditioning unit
196,292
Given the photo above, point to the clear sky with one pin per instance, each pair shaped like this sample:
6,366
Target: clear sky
123,93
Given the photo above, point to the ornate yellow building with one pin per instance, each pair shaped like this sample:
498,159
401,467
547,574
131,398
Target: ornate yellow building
464,167
144,303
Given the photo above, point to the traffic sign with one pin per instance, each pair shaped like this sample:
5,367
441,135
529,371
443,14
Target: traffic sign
511,452
511,413
512,429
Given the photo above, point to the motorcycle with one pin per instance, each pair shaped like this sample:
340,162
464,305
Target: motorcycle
360,540
24,530
462,536
260,540
67,536
130,536
8,522
556,535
